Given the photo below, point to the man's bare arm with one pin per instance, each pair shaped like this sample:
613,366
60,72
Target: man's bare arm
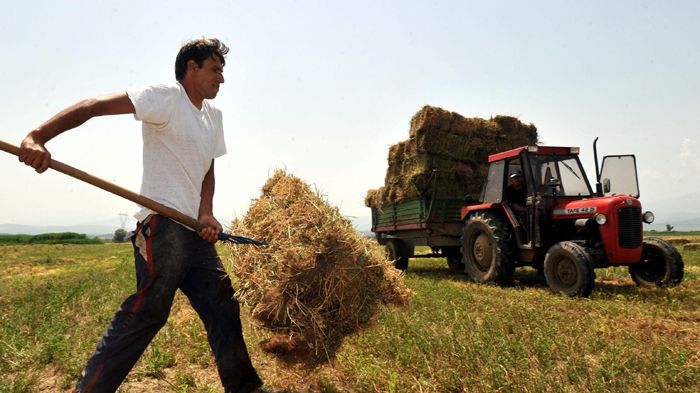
206,208
33,150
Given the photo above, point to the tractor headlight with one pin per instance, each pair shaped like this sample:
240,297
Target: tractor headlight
600,218
648,217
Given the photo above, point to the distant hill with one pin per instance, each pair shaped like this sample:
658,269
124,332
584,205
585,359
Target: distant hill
90,230
679,221
678,211
362,223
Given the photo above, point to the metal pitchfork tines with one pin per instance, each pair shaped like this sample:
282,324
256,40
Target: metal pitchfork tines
134,197
227,237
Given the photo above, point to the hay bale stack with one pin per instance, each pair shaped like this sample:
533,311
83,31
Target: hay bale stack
318,280
452,147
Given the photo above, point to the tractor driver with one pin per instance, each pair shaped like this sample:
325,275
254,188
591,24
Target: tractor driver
515,194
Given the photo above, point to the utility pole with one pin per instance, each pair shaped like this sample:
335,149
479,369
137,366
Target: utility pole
122,218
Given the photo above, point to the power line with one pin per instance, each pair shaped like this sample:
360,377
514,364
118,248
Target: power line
122,218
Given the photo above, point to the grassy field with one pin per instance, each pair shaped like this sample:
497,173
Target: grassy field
454,336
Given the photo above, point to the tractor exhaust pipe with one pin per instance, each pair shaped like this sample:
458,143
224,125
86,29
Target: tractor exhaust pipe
598,185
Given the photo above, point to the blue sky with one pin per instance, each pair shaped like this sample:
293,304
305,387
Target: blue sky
323,88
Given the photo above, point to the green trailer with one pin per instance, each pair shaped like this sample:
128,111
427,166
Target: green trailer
433,222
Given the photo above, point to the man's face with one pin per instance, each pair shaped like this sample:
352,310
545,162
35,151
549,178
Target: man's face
516,181
208,78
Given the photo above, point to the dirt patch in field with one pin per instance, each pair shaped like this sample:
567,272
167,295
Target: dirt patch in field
50,380
139,384
677,330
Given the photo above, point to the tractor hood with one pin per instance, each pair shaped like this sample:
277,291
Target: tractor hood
586,208
618,220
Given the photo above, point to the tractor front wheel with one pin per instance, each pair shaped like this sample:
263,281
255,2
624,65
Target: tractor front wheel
661,265
568,269
487,247
399,251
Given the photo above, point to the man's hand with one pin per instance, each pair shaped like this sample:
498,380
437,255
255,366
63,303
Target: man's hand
33,153
212,230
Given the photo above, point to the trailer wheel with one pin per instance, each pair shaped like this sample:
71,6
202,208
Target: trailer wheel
568,269
454,258
661,265
399,251
488,250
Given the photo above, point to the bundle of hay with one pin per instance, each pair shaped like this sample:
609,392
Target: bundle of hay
318,279
679,241
453,148
691,246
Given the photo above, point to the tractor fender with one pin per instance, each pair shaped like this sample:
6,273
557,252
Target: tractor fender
467,211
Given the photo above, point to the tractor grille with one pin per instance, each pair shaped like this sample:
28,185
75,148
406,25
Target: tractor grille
629,232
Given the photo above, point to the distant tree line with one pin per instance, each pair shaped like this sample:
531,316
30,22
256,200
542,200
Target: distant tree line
50,238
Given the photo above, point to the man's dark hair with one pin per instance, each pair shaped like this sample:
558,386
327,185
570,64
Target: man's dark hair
198,50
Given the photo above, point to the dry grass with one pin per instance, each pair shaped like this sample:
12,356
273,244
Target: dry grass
452,336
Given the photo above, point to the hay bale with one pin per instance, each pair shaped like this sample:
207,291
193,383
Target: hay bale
374,197
454,146
318,280
516,132
678,241
691,247
430,118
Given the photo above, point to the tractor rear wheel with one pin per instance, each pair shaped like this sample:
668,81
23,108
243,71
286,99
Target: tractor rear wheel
568,269
399,251
488,249
661,265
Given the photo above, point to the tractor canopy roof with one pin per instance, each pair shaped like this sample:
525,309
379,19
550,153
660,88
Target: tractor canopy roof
537,150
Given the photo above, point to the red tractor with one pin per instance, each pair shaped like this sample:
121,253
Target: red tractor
566,229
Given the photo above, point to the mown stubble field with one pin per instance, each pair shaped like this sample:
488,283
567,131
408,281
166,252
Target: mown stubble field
453,336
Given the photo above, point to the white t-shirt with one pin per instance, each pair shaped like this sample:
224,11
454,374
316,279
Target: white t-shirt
179,144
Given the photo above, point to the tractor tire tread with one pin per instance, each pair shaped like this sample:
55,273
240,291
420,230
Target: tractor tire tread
504,262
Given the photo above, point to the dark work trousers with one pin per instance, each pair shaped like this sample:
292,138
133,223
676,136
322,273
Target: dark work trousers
168,256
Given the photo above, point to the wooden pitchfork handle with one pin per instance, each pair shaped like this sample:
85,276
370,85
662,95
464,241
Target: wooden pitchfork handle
115,189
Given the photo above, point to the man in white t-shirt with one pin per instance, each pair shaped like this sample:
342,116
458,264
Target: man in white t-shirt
182,136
